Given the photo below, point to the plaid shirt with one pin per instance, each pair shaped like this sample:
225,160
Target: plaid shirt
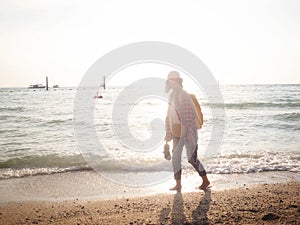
186,113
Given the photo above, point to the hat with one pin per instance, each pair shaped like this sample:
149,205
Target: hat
174,75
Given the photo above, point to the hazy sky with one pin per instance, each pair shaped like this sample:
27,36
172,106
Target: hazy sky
255,41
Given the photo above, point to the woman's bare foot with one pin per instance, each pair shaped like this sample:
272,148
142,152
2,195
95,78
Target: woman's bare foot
176,188
205,185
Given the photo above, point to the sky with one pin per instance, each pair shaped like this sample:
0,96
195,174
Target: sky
241,41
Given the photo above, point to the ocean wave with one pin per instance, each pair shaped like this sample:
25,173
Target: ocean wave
35,120
288,116
253,105
225,164
51,164
252,163
43,161
20,118
4,117
25,172
12,109
41,165
58,121
282,126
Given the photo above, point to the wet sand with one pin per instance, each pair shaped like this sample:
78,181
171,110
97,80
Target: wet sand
89,185
277,203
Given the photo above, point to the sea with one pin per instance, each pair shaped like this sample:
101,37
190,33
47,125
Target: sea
38,137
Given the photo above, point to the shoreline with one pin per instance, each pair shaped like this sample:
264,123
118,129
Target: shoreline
89,185
277,203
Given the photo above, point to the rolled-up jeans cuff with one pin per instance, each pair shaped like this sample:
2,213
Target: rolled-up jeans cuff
177,175
202,173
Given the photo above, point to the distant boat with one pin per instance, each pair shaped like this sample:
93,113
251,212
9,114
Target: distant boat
55,86
98,96
103,85
36,86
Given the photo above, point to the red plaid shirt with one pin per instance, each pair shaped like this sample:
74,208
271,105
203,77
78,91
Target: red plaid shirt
186,113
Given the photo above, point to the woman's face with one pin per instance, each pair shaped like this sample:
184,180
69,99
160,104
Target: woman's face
170,84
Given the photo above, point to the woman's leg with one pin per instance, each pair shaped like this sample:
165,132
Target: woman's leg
178,144
193,159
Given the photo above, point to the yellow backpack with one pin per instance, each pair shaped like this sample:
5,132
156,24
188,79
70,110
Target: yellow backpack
199,115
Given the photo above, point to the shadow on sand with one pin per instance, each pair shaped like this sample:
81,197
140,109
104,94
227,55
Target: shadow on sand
199,214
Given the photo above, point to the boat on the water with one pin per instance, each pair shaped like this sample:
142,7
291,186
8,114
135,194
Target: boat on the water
97,95
36,86
55,86
103,85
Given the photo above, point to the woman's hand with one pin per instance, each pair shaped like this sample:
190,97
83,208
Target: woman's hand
168,137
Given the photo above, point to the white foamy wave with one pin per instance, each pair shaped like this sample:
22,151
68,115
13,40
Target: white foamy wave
251,163
226,164
6,173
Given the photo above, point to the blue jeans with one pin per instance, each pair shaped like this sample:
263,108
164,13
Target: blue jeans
191,152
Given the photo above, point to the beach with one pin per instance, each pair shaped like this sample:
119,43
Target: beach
261,204
87,198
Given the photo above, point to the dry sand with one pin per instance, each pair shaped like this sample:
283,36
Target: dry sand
261,204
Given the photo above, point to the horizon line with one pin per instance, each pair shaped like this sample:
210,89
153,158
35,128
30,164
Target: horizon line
221,84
